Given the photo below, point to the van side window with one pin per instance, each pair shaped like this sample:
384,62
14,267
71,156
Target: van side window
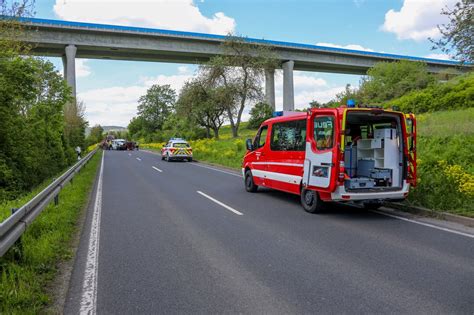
289,136
324,132
261,137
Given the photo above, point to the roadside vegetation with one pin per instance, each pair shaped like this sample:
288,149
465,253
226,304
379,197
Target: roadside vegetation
28,267
41,123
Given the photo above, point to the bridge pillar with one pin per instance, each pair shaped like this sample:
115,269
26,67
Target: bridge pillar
270,87
288,87
70,67
64,67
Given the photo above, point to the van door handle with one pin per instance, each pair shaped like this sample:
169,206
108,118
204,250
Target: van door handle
327,164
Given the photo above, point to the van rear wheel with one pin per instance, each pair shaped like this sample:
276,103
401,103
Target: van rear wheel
311,202
249,183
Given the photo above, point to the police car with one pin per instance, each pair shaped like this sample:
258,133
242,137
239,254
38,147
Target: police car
177,149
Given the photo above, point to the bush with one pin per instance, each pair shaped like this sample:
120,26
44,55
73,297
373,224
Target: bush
454,94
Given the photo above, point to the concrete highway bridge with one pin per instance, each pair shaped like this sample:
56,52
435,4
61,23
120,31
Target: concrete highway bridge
98,41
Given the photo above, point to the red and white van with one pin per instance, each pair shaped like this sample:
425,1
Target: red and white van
345,154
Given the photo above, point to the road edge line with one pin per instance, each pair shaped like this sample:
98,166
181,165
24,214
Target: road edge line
424,224
88,303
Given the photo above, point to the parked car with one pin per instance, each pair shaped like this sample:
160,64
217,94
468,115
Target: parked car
119,144
177,149
131,145
346,154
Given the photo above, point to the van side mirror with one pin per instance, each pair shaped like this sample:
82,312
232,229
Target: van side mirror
249,144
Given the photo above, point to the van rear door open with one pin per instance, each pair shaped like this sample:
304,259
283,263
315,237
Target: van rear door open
322,141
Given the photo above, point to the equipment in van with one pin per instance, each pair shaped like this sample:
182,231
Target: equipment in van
350,160
368,155
359,183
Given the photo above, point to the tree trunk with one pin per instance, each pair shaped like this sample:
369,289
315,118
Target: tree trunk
216,132
232,124
208,132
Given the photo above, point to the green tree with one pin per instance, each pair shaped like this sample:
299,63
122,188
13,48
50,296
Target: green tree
136,127
457,37
389,80
315,104
204,103
258,114
155,106
96,135
32,143
75,123
344,96
241,70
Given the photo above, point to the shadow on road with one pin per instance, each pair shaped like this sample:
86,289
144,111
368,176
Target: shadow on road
334,209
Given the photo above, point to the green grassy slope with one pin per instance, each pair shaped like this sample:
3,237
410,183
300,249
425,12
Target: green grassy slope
25,274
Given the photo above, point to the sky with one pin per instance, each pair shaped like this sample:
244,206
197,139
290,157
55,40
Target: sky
110,89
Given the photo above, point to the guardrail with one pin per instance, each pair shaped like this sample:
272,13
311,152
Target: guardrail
15,225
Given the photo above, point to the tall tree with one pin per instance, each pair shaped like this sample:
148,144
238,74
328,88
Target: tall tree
96,134
155,106
204,104
458,35
75,123
240,69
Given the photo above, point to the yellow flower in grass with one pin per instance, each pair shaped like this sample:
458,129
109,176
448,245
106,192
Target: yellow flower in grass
464,180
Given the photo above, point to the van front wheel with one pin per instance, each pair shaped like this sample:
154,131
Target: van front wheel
310,201
249,183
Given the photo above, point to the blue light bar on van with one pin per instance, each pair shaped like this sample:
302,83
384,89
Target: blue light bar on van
278,114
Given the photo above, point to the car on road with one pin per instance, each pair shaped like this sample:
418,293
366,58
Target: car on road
177,149
119,144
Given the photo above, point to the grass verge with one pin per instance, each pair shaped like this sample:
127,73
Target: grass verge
27,269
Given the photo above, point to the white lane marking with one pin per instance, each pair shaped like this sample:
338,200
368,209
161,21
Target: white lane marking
139,159
220,203
215,169
89,286
425,224
157,169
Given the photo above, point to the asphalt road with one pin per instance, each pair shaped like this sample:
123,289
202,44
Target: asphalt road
183,238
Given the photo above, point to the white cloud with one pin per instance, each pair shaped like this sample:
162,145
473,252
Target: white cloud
82,70
350,46
439,56
417,19
117,105
183,69
169,14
